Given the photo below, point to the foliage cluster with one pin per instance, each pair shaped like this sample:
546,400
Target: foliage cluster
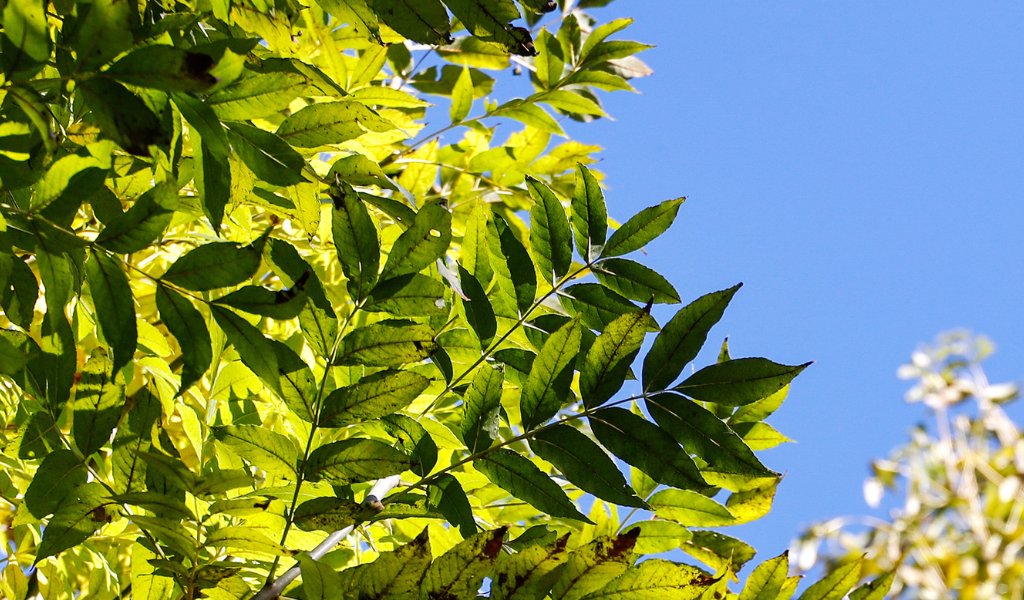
250,307
958,533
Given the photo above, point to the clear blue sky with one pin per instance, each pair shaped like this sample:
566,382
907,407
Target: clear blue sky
858,166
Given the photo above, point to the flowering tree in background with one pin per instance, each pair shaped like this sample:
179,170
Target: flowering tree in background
959,532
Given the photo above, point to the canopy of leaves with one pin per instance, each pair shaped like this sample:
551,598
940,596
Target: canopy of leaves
249,300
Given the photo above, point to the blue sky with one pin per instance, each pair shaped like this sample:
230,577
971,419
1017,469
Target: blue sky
858,166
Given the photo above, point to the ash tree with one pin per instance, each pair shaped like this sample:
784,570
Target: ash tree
283,315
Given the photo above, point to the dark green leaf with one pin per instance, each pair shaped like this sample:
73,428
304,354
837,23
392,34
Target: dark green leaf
635,281
598,305
216,265
269,157
608,360
80,515
164,68
56,477
424,242
144,222
518,476
205,122
491,21
256,351
372,397
331,123
212,180
123,116
18,290
682,338
329,514
387,344
187,325
584,463
459,572
521,271
647,447
425,21
416,441
357,169
473,52
480,411
115,306
38,437
477,307
55,273
299,389
12,358
589,215
642,228
706,436
448,496
98,403
547,387
550,234
355,460
25,46
738,382
270,451
409,295
282,304
133,437
355,240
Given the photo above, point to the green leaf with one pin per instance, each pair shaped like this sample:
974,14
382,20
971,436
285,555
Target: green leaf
425,22
592,566
507,250
356,169
19,290
589,215
105,32
282,305
169,533
319,581
598,305
144,222
447,495
37,438
82,513
258,95
573,102
530,114
415,440
642,227
518,476
477,307
256,351
550,235
12,358
59,474
584,463
482,403
331,123
490,20
355,240
387,344
216,265
329,514
682,338
462,97
475,246
547,387
115,306
354,461
705,435
876,589
269,157
836,584
188,326
205,122
245,538
98,403
134,436
394,574
718,551
656,578
299,388
690,509
759,410
660,536
372,397
25,46
164,68
600,33
63,177
265,449
123,116
473,52
157,503
647,447
529,573
459,572
409,295
738,382
389,97
212,180
759,436
614,50
550,62
608,360
766,581
635,281
424,242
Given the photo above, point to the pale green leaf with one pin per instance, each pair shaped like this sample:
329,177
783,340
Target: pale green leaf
265,449
355,460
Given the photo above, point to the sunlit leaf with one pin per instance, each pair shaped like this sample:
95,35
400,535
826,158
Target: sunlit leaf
372,397
608,360
272,452
635,281
550,235
355,460
642,227
547,387
99,399
81,514
589,215
518,476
